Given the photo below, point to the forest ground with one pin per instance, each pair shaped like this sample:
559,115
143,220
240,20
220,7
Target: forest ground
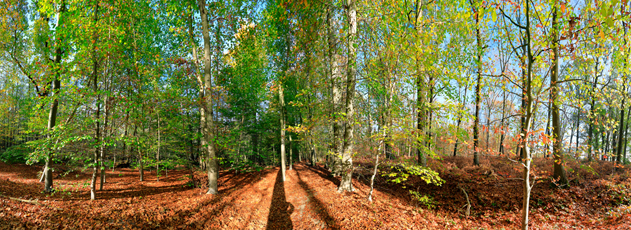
596,199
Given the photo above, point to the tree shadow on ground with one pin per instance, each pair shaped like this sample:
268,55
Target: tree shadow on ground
321,208
280,210
324,173
218,203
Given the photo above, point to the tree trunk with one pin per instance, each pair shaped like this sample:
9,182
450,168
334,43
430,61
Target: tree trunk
530,113
502,128
291,153
592,115
346,183
281,99
464,101
420,97
206,108
557,146
98,111
621,129
52,115
102,144
626,136
476,123
158,152
578,125
336,81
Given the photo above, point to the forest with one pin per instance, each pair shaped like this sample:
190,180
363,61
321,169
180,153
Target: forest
315,114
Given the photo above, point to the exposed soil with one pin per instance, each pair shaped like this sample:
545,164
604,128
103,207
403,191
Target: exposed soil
307,200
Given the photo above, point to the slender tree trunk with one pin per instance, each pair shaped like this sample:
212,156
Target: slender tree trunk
430,114
547,131
98,111
503,122
158,152
531,111
626,136
52,115
102,144
488,128
476,123
578,125
621,130
213,166
291,147
346,183
336,81
557,138
592,115
420,96
281,99
464,101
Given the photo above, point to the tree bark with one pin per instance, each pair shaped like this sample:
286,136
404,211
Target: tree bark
281,99
206,108
52,115
619,156
158,152
557,146
464,101
626,136
336,81
476,122
347,153
592,114
503,122
98,111
420,97
291,153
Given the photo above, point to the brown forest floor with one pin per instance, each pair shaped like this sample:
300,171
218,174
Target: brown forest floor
308,200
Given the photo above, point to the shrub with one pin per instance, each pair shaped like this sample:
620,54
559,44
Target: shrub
16,154
424,200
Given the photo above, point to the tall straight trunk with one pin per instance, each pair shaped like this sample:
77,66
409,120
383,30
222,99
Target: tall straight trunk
207,105
619,156
346,183
488,128
476,122
102,144
464,101
141,166
387,119
530,113
557,138
336,78
158,152
606,144
547,131
503,121
578,125
522,119
592,114
571,138
430,113
291,153
281,99
52,115
420,97
626,136
603,144
98,110
125,146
